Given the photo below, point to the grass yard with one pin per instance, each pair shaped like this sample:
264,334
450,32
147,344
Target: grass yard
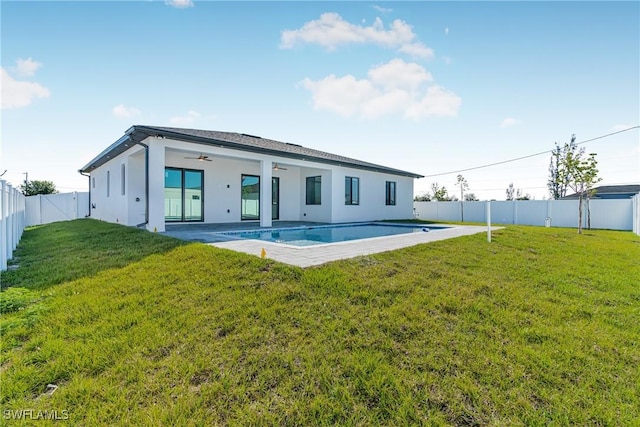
542,326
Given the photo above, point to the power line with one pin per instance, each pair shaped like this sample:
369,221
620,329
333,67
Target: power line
529,156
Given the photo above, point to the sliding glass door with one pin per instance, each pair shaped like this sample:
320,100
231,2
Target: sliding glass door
250,197
183,195
275,198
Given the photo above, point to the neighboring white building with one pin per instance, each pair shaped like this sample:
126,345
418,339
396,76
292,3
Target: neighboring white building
157,175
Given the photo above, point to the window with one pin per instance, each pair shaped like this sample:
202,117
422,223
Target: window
183,195
314,188
93,182
250,197
108,183
351,190
122,175
390,193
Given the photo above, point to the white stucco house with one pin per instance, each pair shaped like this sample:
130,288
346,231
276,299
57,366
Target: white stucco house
153,176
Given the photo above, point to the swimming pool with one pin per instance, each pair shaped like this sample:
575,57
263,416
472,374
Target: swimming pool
317,235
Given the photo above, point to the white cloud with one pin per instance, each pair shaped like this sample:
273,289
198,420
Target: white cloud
26,67
438,101
417,50
179,4
123,112
331,31
618,128
510,121
399,74
17,93
396,87
382,9
343,95
190,117
446,31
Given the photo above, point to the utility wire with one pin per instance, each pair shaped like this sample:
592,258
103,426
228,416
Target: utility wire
529,156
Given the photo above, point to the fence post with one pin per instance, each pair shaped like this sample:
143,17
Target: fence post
3,228
22,206
489,221
636,214
10,222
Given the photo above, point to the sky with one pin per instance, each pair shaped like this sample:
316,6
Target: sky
433,88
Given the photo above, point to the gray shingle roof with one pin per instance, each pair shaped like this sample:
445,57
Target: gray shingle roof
238,141
603,190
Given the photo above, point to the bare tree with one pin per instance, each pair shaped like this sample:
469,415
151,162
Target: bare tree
464,185
510,191
557,182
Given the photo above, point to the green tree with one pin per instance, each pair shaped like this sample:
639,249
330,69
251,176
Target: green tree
439,193
581,174
31,188
470,197
424,197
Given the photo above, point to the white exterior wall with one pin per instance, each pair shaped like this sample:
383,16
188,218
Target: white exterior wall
114,206
321,212
135,181
222,186
372,197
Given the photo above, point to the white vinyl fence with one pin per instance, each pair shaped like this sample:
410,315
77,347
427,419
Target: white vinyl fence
612,214
46,208
12,221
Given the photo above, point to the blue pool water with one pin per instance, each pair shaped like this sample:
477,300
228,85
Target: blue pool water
331,233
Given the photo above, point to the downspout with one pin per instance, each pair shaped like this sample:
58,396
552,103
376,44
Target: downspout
146,182
88,176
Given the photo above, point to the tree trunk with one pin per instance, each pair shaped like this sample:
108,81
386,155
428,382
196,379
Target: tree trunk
580,213
588,213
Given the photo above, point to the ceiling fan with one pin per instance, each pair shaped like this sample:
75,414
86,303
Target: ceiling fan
278,168
200,158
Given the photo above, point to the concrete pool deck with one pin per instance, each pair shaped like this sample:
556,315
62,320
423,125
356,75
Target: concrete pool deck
307,256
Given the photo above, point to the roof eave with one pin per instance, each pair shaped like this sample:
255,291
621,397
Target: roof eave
138,133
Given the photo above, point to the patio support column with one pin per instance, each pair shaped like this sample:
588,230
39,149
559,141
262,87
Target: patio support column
156,184
265,193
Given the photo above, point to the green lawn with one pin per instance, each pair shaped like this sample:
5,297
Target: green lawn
541,326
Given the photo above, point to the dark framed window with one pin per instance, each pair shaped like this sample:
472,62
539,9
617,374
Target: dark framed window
108,183
390,193
250,197
351,190
183,195
314,188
